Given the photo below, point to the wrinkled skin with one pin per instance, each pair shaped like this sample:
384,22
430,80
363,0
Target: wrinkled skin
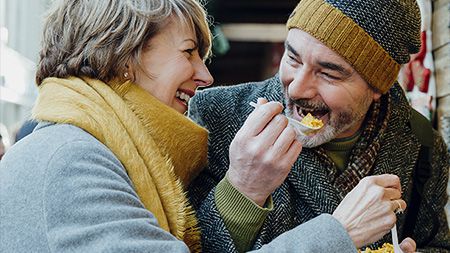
263,152
368,211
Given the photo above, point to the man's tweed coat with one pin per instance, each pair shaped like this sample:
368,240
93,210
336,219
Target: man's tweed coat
308,191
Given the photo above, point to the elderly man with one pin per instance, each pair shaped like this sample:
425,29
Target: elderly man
340,64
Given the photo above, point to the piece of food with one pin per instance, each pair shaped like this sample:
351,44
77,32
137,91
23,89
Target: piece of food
310,121
386,248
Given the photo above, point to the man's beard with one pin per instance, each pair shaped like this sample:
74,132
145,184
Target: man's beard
338,121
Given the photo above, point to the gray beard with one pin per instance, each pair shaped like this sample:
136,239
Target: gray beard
324,136
337,125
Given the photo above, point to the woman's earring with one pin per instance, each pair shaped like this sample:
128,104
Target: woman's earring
126,75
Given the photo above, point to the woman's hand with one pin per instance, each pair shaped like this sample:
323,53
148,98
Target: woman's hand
368,211
262,152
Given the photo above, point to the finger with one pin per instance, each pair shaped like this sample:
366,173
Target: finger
284,140
387,180
392,193
261,101
294,152
288,146
408,245
398,205
271,133
260,117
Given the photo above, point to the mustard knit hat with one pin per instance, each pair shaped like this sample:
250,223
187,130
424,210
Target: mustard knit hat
374,36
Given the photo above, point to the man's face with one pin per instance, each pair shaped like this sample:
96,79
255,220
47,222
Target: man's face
317,80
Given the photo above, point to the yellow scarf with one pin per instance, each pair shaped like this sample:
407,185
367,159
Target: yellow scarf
160,149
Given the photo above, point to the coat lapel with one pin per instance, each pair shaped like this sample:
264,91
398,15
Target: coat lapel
308,176
313,184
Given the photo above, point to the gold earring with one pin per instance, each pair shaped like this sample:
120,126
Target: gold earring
126,75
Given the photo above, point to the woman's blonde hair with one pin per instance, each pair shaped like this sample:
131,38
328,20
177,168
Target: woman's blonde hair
98,39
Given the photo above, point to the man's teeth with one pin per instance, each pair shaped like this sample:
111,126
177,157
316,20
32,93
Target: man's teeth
183,96
317,114
303,112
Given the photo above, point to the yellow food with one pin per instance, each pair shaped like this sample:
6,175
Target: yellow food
386,248
309,120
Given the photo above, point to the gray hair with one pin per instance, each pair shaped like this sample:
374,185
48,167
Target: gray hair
98,38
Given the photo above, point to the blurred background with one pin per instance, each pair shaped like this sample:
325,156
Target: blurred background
248,45
20,33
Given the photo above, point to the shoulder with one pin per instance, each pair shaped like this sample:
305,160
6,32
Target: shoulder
52,147
441,151
65,176
64,190
47,138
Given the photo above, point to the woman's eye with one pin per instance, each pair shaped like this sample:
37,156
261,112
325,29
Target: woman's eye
190,51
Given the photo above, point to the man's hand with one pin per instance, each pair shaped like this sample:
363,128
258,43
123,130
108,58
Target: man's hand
262,152
408,245
368,211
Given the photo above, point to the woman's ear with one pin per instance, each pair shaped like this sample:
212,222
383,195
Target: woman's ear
128,72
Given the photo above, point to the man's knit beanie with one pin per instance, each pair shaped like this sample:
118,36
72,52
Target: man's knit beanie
374,36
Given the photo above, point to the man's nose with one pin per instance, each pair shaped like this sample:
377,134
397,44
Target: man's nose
303,85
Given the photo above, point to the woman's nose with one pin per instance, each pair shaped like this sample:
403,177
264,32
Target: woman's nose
202,76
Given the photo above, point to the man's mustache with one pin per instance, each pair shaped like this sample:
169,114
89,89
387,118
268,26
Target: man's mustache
307,104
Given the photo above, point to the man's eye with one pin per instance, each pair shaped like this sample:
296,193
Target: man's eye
293,60
330,76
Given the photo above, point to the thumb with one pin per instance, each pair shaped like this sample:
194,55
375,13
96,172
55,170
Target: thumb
408,245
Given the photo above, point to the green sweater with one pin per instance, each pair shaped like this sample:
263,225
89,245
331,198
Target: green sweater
241,215
339,150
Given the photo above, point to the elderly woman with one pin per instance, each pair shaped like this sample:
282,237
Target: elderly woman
106,168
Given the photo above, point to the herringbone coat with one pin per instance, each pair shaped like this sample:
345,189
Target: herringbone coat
308,190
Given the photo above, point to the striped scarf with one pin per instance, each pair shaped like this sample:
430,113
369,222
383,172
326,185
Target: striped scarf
363,155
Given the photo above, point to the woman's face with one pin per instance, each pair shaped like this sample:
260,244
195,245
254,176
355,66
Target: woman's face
171,68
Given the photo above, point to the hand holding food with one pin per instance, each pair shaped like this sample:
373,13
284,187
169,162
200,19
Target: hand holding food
262,152
368,211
